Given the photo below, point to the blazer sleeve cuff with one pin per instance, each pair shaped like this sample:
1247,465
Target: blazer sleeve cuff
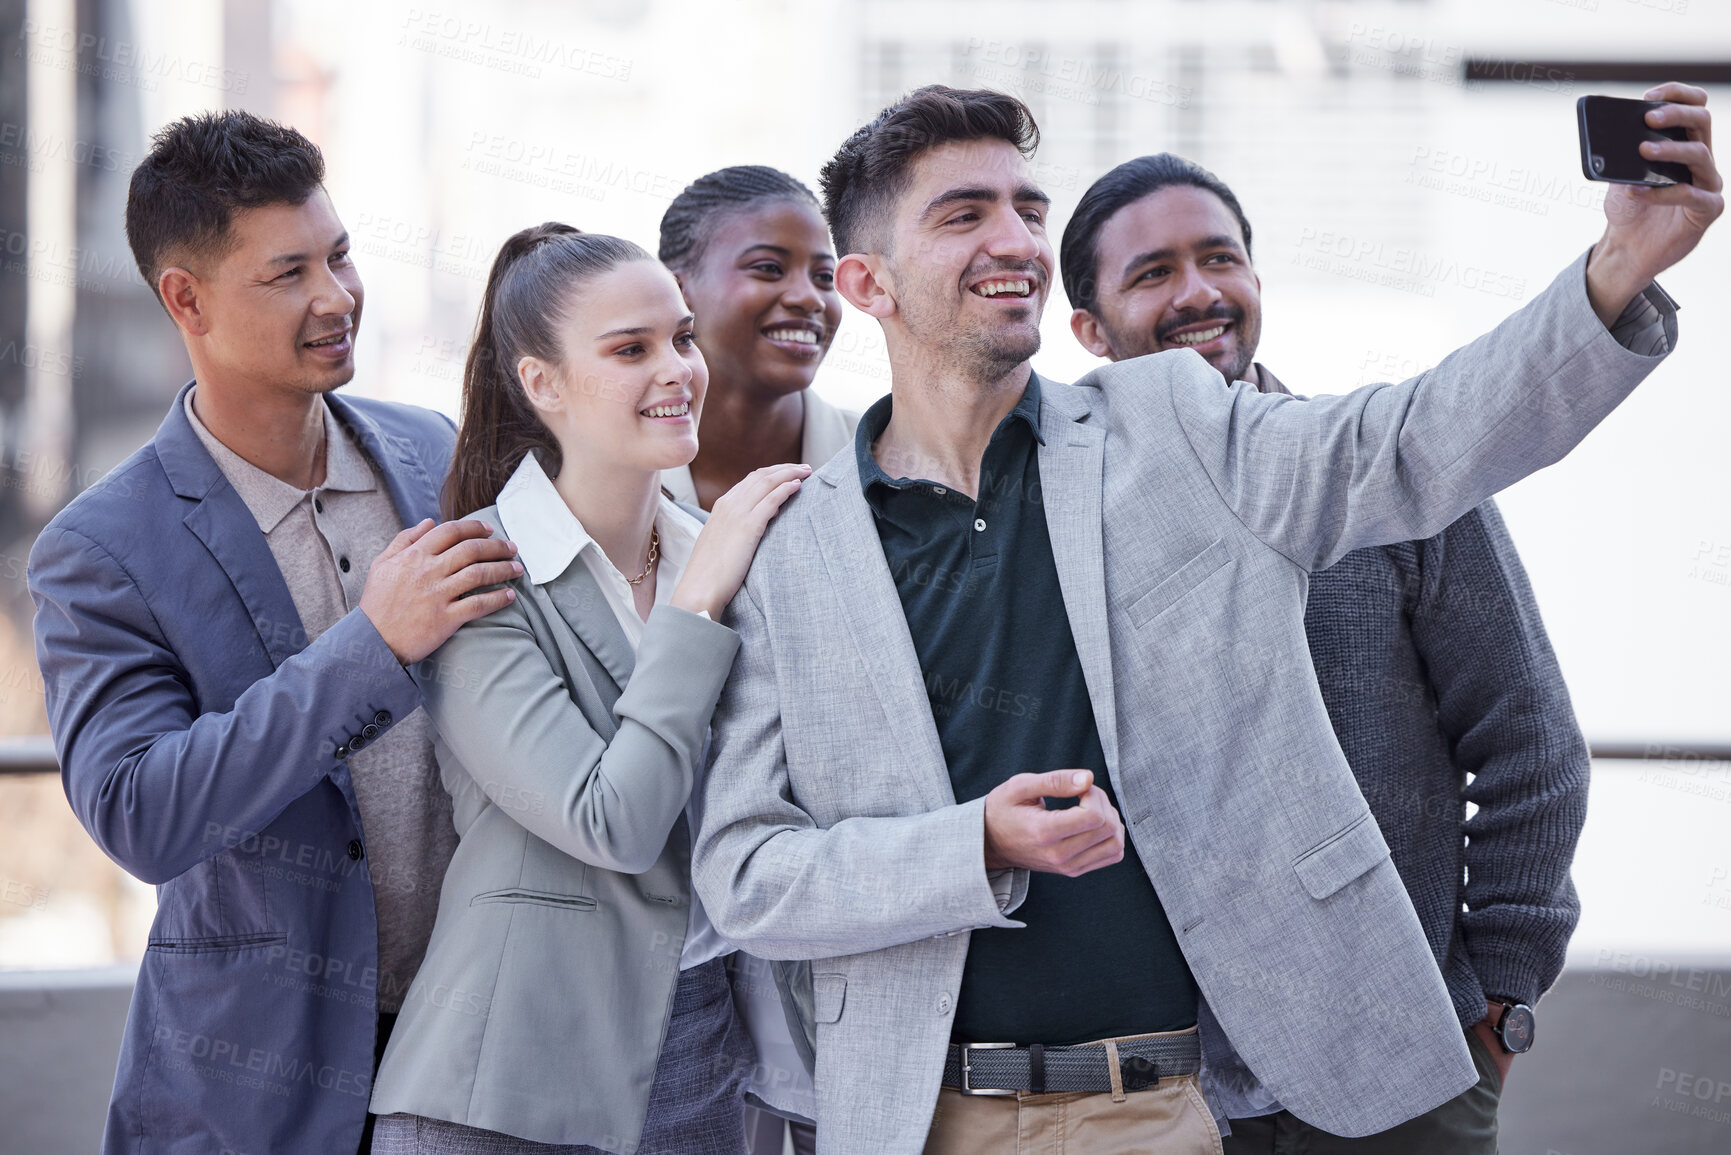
995,893
698,638
1643,334
353,654
1009,886
1648,326
696,653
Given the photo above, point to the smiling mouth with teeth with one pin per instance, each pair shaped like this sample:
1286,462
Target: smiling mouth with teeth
1004,288
1200,337
679,410
797,336
324,341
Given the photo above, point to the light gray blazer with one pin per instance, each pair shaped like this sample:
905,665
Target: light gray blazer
1185,517
547,987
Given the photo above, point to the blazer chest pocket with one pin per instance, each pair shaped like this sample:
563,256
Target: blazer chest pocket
216,944
1341,858
536,898
1178,583
828,992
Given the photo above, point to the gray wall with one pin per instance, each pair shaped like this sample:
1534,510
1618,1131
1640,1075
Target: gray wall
1632,1059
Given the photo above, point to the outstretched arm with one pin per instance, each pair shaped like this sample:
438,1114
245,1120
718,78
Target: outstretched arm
1390,463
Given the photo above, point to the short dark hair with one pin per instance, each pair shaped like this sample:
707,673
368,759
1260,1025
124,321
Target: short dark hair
1078,256
691,218
202,168
870,170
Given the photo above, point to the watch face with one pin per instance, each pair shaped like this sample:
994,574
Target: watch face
1516,1029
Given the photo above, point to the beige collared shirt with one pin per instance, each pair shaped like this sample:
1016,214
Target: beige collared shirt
324,540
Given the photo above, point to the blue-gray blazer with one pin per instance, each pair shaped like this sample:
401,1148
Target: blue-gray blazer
199,736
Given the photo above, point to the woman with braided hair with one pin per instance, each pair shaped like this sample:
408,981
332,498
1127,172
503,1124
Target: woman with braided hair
574,998
753,257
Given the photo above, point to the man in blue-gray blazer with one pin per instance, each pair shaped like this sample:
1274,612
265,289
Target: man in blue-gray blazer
224,625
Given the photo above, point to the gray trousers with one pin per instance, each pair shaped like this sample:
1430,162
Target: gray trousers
1465,1125
696,1105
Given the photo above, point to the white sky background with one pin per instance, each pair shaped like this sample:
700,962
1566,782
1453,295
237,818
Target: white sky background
440,144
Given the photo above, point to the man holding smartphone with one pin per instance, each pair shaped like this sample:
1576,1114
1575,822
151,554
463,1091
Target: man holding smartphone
1131,555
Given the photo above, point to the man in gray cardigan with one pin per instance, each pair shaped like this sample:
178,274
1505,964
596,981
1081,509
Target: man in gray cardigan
1439,680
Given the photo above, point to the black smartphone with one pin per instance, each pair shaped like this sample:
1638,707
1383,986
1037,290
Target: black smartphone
1612,130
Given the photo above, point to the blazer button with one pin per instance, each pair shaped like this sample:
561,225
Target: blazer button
369,731
943,1004
355,849
356,743
382,718
343,751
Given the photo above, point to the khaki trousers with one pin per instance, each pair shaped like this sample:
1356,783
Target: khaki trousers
1171,1118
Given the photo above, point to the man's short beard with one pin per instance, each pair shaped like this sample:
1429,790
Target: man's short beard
991,356
1240,372
981,355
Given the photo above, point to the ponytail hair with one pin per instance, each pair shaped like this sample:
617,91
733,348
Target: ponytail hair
691,218
528,294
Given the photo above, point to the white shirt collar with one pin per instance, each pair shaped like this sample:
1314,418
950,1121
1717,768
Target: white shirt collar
549,537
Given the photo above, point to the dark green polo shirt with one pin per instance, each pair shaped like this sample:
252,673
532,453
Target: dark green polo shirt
1097,958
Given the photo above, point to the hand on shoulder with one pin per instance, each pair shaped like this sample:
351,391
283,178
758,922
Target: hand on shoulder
730,537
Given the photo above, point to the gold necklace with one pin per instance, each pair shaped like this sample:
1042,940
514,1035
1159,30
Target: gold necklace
654,549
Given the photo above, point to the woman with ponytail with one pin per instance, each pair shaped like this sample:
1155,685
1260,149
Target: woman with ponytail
754,259
573,997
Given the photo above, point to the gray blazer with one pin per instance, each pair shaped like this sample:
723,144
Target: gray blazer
1186,517
548,984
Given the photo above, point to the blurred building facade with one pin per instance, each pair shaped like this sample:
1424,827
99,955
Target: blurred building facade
1409,167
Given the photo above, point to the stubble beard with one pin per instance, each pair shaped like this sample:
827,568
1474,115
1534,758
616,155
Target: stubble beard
980,354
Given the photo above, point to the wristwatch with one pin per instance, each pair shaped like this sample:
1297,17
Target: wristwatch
1514,1027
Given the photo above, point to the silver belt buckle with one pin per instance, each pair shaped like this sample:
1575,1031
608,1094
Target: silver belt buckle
967,1089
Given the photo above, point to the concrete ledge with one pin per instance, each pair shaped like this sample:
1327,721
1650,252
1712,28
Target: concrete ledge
59,1041
1632,1058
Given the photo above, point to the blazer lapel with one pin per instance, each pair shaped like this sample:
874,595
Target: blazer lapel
871,611
412,490
578,598
1072,472
221,520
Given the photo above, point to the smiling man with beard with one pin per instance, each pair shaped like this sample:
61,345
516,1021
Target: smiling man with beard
1438,677
903,760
